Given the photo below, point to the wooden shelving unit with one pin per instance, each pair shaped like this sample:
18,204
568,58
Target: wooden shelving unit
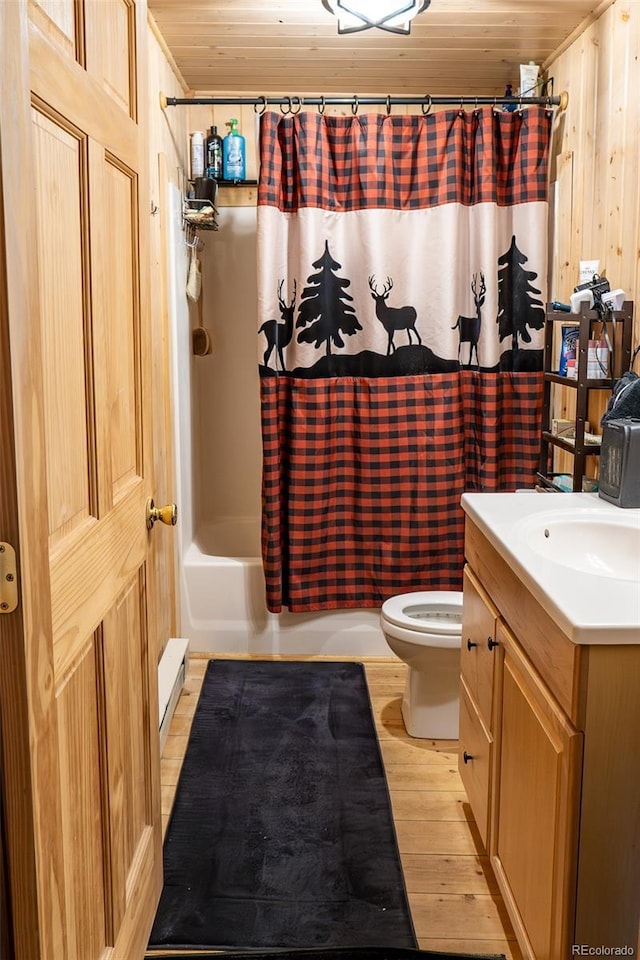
620,327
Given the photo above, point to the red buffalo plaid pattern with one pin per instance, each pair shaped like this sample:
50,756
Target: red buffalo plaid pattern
362,476
373,160
362,479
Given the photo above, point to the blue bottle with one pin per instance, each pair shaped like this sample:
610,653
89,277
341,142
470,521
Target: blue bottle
234,154
510,102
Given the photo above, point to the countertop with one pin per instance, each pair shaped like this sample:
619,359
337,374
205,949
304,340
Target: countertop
590,608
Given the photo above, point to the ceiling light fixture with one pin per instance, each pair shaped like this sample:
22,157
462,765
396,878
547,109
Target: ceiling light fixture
395,16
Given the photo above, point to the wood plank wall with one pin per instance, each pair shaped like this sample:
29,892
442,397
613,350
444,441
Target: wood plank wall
167,163
168,129
595,193
597,152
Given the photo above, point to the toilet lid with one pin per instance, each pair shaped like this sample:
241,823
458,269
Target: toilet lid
426,612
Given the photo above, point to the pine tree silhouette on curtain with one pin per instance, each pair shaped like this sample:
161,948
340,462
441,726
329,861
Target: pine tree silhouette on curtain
323,306
517,308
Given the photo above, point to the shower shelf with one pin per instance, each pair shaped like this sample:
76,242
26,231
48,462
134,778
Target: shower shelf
201,214
237,183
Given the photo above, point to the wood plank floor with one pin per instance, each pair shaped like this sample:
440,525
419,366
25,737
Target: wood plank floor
452,893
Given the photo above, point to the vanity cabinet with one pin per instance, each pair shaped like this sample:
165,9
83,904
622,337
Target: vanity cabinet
549,735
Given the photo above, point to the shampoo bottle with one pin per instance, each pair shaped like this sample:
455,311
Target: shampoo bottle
214,155
197,154
529,79
233,154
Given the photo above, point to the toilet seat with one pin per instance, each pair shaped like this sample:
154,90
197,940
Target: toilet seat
426,613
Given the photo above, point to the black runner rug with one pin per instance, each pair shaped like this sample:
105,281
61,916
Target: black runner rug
356,953
281,835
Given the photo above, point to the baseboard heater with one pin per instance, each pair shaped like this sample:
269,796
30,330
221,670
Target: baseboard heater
172,671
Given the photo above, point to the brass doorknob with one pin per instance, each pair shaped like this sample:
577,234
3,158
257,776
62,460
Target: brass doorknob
168,514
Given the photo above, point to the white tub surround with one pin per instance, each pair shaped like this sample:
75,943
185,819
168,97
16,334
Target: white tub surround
224,606
578,555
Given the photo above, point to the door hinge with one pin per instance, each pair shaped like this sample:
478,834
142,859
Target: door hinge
8,578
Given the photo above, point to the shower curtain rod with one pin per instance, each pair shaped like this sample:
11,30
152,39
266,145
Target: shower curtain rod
295,103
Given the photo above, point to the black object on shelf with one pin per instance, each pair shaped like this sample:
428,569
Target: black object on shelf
622,323
237,183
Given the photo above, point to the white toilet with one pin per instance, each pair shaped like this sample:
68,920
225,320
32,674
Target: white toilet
425,630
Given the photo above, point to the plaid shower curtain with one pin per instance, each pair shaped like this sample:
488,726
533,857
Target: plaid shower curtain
402,267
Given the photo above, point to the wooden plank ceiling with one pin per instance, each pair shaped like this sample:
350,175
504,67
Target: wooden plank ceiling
291,47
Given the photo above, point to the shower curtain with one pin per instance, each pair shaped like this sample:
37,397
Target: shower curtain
402,265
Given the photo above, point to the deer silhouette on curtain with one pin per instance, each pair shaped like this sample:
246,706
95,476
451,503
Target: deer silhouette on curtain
393,319
469,327
278,333
408,369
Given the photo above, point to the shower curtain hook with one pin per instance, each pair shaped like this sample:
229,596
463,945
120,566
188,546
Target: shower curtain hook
427,97
321,106
388,104
461,107
354,105
298,103
261,101
282,106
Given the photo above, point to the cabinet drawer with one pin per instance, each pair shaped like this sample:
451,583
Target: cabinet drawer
477,654
474,761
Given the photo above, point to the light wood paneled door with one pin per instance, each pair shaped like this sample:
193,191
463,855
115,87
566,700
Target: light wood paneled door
78,658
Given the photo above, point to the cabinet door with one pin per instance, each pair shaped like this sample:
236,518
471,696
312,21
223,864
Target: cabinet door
479,667
477,656
533,847
475,762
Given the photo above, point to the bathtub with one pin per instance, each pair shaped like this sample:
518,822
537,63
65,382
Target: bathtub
216,402
224,611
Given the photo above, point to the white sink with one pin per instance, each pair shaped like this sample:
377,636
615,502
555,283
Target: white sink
589,541
578,555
